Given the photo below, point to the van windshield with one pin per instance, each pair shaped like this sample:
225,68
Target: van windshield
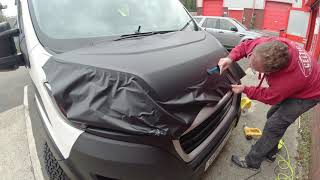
74,19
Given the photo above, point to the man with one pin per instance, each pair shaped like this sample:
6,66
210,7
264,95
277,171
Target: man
294,87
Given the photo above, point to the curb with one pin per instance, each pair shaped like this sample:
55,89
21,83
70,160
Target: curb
37,172
315,144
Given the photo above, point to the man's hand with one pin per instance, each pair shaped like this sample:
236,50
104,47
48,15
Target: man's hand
224,63
237,88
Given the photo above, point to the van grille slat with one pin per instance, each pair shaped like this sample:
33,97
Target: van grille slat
195,137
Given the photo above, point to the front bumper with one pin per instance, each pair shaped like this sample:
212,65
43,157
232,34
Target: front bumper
98,158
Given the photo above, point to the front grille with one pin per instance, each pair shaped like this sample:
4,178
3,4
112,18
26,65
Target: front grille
104,178
195,137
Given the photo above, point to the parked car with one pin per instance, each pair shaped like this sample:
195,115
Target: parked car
228,31
121,89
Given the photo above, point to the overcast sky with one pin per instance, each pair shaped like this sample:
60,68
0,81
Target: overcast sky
11,10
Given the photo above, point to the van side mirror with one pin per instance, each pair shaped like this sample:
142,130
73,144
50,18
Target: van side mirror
234,29
9,58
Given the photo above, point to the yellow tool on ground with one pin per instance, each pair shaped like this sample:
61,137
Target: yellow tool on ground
280,145
245,105
251,132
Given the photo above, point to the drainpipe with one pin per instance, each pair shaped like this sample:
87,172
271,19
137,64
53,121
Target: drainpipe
253,15
199,7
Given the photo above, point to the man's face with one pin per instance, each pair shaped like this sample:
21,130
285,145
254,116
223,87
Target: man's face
255,62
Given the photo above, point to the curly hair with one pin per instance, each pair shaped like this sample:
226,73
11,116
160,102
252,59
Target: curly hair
274,55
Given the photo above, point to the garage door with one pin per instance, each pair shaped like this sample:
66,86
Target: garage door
212,7
236,14
276,15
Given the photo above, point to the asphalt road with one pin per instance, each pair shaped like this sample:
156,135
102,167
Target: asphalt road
11,88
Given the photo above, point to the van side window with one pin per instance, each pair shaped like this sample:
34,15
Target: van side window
211,23
226,25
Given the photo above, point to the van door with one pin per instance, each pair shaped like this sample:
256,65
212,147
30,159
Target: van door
231,38
211,25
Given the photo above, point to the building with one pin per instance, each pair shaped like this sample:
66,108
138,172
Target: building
313,38
252,13
297,20
2,18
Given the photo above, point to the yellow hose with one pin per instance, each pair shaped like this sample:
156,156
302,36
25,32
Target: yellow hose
284,164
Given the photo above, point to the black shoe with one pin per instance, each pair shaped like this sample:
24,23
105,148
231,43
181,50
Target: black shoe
241,162
271,159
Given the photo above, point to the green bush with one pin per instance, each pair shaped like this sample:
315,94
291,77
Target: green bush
191,5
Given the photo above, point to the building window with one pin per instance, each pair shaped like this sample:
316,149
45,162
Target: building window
298,29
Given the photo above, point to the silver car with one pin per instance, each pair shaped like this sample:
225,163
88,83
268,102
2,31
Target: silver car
228,31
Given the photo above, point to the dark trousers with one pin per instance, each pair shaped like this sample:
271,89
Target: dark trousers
279,118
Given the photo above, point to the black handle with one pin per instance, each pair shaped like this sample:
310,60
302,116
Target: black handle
10,33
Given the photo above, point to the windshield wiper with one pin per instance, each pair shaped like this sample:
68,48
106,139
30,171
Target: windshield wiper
127,36
186,25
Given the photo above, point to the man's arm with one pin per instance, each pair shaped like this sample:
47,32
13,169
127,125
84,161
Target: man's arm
263,94
243,49
272,95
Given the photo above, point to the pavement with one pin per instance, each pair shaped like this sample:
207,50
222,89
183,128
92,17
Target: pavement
15,160
21,149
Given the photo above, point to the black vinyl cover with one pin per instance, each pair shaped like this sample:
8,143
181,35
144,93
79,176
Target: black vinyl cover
91,88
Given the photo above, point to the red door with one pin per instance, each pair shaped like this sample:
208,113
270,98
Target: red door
212,7
236,14
276,15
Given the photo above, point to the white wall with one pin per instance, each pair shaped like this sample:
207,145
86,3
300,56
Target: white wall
11,9
284,1
199,3
243,4
297,4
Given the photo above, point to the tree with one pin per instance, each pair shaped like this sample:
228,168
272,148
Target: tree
2,17
191,5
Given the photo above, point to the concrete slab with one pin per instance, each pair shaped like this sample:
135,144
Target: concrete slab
15,161
223,168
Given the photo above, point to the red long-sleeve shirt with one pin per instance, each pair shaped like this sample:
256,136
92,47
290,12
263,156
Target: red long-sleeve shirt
299,79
